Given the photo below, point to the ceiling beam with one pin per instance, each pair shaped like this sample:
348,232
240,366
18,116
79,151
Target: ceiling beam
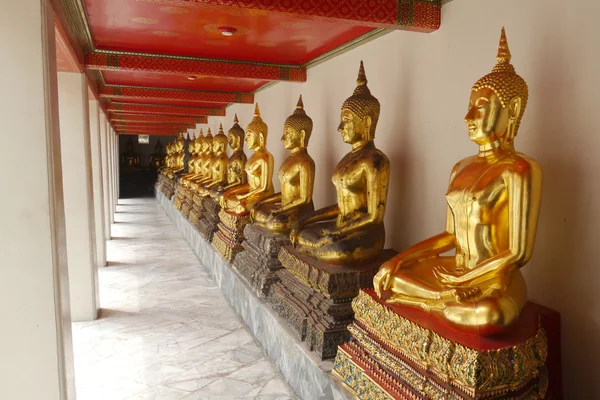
158,119
416,15
130,108
190,66
143,126
150,94
135,132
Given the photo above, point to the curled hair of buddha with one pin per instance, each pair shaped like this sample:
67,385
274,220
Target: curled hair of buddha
236,130
362,102
220,137
257,125
504,81
300,121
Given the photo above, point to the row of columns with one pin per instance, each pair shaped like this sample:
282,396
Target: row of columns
60,189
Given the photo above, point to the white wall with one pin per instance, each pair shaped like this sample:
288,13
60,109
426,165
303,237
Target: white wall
423,82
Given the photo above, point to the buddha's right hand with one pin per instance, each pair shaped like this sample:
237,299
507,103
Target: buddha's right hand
382,279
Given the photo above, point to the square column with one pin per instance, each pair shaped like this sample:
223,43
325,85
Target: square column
105,174
36,345
79,199
98,186
111,169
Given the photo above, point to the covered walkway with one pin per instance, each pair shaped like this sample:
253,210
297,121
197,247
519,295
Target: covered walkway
165,330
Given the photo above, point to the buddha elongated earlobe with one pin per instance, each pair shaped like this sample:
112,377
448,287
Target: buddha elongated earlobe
303,139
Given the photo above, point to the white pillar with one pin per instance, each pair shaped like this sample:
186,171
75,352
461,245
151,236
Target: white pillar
36,348
76,154
105,174
98,187
111,166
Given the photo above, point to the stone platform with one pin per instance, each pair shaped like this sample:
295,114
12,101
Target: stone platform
259,261
315,297
209,223
398,352
309,377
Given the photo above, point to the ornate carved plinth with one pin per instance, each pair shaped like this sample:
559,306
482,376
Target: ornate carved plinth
315,297
399,352
259,261
208,224
230,235
196,210
166,185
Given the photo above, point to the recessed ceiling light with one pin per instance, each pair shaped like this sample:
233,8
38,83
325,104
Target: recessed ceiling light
227,30
191,78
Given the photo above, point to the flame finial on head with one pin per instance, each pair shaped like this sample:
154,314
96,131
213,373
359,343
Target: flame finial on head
504,55
256,111
361,80
235,119
300,105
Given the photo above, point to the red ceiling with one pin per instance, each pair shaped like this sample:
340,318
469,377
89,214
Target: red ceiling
150,79
143,26
171,103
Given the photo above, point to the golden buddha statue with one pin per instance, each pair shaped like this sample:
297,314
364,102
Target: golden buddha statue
493,206
192,149
259,170
235,172
178,158
354,231
157,159
218,166
280,211
168,159
130,159
205,161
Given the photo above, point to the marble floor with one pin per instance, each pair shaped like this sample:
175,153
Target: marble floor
165,331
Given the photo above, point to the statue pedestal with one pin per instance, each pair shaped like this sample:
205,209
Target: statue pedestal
209,221
230,235
315,297
166,185
400,352
195,214
259,261
183,200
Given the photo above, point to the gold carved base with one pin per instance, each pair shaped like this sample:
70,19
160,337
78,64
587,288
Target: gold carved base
391,356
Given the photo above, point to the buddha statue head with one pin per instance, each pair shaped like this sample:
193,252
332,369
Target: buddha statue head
360,113
497,103
257,131
180,144
235,136
220,141
208,140
297,128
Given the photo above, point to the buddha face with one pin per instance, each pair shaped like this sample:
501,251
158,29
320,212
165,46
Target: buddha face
218,146
232,141
353,128
292,139
487,121
252,140
206,146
